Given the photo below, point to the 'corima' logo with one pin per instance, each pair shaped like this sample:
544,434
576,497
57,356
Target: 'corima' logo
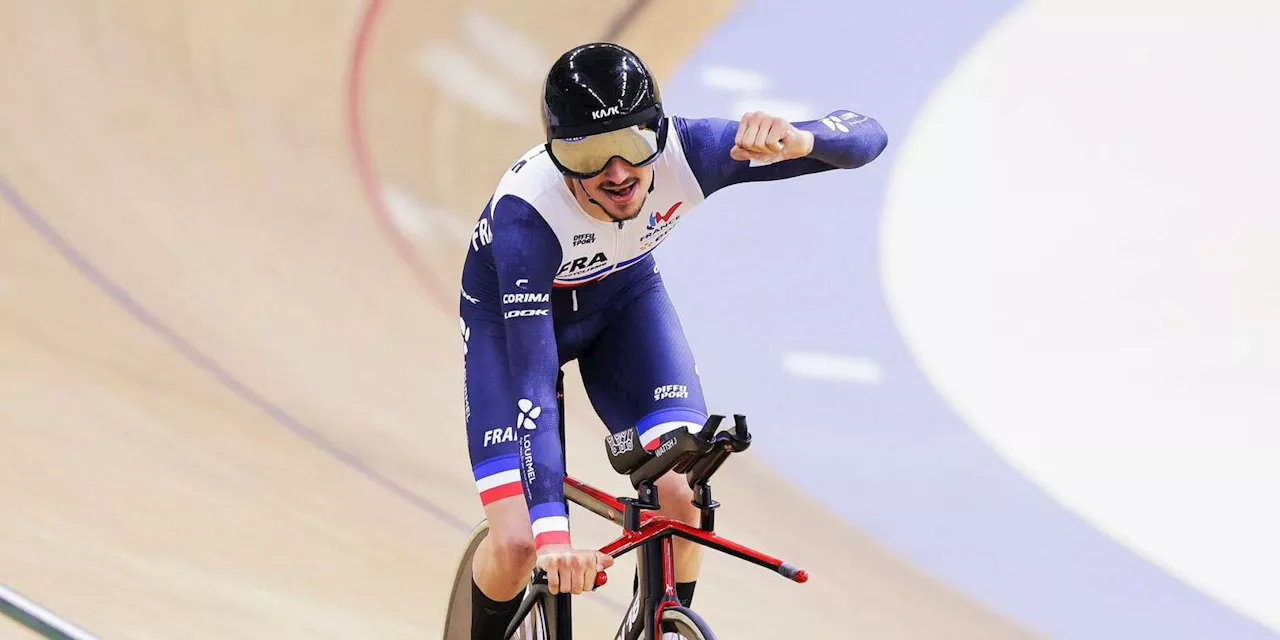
604,113
523,298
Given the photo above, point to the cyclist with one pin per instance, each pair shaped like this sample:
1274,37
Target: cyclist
559,268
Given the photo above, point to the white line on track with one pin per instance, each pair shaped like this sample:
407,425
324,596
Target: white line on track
781,107
420,223
505,47
816,365
463,78
733,79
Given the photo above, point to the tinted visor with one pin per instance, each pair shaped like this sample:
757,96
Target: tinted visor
586,156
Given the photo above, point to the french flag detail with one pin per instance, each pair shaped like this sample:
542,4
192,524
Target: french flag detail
550,524
663,421
498,478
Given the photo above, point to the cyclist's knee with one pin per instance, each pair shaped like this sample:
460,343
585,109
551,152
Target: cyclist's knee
510,535
676,498
514,553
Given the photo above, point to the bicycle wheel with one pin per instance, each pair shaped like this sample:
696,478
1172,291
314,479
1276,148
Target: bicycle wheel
457,618
680,623
538,625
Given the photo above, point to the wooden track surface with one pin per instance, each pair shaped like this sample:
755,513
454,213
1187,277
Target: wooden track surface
230,397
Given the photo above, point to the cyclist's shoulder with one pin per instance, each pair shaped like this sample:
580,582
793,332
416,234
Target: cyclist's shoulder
533,193
521,214
530,182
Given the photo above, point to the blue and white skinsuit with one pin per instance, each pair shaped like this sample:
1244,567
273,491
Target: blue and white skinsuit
544,283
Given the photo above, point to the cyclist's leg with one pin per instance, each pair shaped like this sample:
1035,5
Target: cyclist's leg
640,372
505,558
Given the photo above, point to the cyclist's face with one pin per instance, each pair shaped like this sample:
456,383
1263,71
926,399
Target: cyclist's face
621,189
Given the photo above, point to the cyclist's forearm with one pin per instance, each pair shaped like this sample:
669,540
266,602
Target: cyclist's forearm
849,143
526,254
536,416
845,140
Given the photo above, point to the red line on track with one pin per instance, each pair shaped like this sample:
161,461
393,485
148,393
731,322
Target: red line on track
364,165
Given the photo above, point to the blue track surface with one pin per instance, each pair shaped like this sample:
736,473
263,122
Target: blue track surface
800,259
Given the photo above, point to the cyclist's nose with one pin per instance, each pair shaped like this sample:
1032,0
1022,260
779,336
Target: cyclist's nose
616,171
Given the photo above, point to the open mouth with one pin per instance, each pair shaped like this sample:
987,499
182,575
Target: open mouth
621,194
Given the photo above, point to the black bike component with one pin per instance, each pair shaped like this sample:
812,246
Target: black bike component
535,592
706,504
646,500
711,427
677,450
624,455
558,617
723,443
562,603
649,564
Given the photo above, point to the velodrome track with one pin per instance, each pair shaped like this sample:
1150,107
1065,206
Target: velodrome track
230,400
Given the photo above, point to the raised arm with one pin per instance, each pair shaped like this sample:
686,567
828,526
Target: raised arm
841,140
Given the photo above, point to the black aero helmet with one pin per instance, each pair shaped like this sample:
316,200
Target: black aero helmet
601,101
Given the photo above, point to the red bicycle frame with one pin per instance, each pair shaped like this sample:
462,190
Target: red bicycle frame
653,534
652,526
641,527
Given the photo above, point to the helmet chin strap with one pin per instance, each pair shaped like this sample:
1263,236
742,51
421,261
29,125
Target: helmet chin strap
589,198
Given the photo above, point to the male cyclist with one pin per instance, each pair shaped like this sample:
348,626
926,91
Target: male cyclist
560,269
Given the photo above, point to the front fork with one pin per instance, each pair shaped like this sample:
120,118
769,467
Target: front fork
656,561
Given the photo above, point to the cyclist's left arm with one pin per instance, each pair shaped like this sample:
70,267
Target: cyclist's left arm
841,140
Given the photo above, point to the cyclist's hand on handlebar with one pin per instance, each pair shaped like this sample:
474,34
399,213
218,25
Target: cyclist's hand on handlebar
571,570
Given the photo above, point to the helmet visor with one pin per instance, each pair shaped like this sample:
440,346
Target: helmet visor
586,157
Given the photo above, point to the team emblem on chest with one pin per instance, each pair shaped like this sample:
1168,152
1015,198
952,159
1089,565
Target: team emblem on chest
660,224
581,264
584,260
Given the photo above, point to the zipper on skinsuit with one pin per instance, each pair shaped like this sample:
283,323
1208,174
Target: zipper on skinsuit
617,248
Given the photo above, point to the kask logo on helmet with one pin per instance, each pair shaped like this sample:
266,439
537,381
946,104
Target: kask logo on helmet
605,113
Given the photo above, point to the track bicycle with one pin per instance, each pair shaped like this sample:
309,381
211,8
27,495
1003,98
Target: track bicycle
697,455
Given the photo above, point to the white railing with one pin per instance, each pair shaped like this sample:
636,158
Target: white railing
39,619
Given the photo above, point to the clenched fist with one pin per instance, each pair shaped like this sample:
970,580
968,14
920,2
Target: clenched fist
571,570
767,139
